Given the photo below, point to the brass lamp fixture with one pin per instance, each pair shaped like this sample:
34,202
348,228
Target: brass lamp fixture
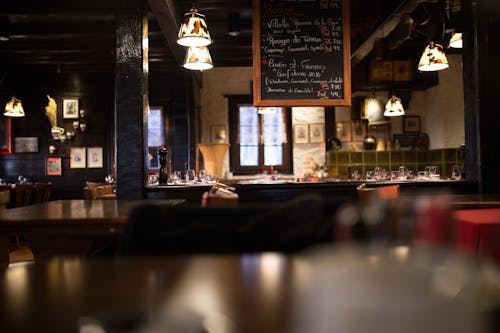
194,30
198,58
433,58
394,107
14,108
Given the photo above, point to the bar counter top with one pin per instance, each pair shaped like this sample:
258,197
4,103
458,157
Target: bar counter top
277,190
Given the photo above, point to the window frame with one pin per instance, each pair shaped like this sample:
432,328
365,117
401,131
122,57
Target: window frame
234,101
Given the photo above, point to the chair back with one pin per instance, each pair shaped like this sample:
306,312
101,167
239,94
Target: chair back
42,192
4,198
247,227
96,190
366,194
22,194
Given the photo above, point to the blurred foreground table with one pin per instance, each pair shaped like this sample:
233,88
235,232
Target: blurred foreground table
69,226
397,289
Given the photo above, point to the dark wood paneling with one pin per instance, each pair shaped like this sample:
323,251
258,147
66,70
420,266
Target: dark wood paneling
95,94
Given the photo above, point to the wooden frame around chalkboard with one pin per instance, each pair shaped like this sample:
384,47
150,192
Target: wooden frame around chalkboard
257,93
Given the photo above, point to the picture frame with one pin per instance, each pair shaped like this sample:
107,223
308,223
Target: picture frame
77,157
26,144
316,133
343,131
406,141
218,134
411,124
53,166
70,108
358,130
94,157
6,136
301,133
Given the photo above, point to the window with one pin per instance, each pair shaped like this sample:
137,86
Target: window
156,136
259,142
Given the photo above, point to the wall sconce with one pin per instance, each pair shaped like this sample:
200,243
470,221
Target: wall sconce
198,58
14,108
394,107
194,30
433,58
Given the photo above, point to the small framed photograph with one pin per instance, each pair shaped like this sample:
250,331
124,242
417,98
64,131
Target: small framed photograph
301,133
358,130
411,124
343,130
26,144
53,166
218,134
77,158
70,108
94,157
316,133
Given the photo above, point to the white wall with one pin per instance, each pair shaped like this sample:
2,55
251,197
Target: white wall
308,115
441,109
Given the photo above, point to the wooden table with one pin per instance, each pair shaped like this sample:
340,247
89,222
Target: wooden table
334,290
69,226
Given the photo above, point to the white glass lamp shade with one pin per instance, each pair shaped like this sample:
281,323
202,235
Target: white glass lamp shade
198,58
433,58
14,108
394,107
194,30
456,40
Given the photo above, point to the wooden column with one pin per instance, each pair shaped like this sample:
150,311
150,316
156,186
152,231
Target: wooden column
481,70
131,99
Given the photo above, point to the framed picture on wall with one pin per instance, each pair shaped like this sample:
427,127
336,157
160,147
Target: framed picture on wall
94,157
411,124
301,133
77,158
316,133
26,144
358,130
53,166
343,131
70,108
218,134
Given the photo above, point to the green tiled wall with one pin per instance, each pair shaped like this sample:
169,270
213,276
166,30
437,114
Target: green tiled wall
339,161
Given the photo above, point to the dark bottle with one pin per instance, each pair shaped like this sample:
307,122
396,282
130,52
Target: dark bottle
164,165
462,157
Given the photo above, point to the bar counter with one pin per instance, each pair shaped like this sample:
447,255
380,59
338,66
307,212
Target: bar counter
284,190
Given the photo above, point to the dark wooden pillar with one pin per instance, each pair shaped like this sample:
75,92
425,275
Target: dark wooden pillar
481,70
131,93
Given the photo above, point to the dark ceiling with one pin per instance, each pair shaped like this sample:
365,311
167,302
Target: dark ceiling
78,36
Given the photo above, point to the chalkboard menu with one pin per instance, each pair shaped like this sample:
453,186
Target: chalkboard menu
301,53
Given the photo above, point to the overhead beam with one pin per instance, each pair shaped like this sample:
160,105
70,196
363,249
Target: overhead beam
166,17
383,29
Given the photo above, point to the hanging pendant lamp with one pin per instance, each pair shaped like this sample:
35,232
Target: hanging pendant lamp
433,58
456,40
194,30
14,108
198,58
394,107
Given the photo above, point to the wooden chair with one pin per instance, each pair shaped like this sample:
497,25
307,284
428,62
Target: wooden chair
95,190
42,192
22,194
